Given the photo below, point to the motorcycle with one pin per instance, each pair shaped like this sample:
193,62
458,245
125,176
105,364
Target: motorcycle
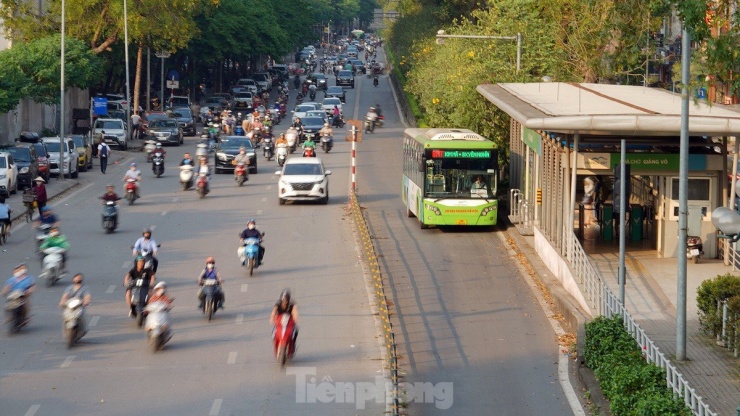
282,153
369,125
131,191
186,176
694,248
149,146
379,121
110,216
15,305
312,94
138,301
256,136
241,173
158,164
52,265
269,148
202,186
299,98
249,253
375,81
338,122
73,321
292,137
297,82
42,233
327,142
210,297
158,325
308,152
201,151
282,338
238,131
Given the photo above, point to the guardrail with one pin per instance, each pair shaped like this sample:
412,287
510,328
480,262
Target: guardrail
604,302
733,256
371,259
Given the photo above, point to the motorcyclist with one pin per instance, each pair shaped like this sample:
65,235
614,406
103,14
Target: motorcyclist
252,232
147,243
160,295
257,122
138,272
297,81
187,160
110,194
336,114
77,290
372,117
268,121
135,174
309,143
159,149
281,140
211,273
326,131
312,91
246,125
23,282
241,158
55,239
375,80
47,217
285,304
205,171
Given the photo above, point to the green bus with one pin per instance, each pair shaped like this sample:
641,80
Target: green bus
450,177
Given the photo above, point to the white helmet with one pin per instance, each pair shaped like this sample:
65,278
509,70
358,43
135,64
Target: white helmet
159,145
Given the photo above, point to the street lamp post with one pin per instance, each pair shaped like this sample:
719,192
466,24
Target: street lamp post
128,89
61,107
518,38
162,55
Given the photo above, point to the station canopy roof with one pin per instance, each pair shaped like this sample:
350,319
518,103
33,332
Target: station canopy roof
603,109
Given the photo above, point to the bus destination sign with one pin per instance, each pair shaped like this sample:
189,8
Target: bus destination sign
461,154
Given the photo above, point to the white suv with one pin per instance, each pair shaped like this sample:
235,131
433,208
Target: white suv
264,81
8,175
112,130
245,84
302,179
69,158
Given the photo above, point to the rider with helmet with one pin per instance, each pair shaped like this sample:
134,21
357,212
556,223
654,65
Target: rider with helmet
285,304
47,217
252,232
281,140
211,273
268,121
134,174
139,271
145,245
326,131
160,295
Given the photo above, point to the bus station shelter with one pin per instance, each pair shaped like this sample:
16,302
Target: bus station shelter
565,143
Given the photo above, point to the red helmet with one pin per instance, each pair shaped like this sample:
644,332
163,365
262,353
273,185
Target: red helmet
210,260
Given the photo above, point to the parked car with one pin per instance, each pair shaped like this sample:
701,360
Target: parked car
84,152
185,117
24,156
112,130
336,91
228,147
303,178
346,78
68,157
42,156
8,175
118,99
263,80
165,131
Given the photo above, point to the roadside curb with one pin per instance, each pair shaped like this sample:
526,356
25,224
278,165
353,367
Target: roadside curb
571,316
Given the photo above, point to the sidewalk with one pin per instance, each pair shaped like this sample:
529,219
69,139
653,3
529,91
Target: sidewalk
650,297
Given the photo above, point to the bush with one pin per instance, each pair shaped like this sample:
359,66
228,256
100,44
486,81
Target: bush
633,386
721,288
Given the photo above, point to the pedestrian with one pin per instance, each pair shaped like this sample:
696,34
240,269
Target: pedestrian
39,189
135,119
103,154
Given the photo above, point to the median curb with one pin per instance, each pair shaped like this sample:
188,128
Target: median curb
371,260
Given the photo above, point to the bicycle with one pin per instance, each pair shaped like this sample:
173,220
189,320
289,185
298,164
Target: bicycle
3,233
29,200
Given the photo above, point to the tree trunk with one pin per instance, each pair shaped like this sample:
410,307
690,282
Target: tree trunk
137,77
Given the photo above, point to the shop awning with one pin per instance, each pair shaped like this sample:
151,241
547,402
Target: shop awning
603,109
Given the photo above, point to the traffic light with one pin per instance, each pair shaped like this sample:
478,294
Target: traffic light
617,188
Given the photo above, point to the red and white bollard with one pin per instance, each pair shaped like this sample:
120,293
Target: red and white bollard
354,140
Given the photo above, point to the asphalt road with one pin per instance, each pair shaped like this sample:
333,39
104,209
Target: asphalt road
464,315
224,367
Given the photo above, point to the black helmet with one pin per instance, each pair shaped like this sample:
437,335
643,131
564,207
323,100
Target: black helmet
285,295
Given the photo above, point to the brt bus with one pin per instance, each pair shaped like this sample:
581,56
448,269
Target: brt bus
449,177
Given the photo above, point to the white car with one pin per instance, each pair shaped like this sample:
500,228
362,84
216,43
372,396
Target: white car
70,156
317,113
264,81
8,174
302,109
303,179
112,130
329,103
246,84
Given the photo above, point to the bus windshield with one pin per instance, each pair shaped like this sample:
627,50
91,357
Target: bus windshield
460,178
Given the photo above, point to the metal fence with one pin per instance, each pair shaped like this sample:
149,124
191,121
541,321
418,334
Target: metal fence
733,256
604,302
371,259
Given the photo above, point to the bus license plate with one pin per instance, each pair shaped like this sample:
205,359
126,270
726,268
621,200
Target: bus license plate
462,222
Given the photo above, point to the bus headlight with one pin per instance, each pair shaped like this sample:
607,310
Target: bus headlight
486,210
433,209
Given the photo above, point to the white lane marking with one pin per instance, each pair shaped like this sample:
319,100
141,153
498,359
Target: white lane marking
67,361
244,287
268,187
264,199
175,199
239,319
153,227
216,407
164,213
259,212
111,288
32,410
93,321
126,264
232,358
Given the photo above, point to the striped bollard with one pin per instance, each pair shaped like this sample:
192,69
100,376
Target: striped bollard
354,140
